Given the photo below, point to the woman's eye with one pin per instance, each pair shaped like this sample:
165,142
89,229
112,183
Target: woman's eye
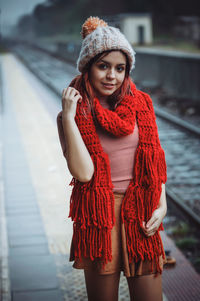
120,69
102,66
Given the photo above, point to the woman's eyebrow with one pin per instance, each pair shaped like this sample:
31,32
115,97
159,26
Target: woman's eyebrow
120,64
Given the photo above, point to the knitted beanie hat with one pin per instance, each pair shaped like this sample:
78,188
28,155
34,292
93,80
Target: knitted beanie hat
99,37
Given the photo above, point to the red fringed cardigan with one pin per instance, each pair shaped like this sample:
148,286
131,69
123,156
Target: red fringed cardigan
92,203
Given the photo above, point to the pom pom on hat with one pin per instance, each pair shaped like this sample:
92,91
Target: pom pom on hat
98,37
90,25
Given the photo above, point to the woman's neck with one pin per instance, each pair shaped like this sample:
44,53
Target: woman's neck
102,99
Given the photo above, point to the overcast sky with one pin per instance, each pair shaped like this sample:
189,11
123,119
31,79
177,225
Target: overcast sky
11,10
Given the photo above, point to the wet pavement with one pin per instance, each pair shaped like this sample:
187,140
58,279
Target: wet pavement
35,200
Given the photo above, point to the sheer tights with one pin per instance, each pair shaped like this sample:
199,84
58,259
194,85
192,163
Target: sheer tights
105,287
145,288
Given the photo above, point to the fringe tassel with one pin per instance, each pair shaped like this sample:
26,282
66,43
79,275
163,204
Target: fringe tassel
140,247
92,243
141,199
92,211
92,208
151,167
92,203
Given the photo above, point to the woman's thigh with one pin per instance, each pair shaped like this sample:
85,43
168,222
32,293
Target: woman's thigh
102,287
147,287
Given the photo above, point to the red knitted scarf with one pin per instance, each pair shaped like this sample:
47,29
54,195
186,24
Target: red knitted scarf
92,203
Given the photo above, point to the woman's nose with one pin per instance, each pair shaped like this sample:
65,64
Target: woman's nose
111,74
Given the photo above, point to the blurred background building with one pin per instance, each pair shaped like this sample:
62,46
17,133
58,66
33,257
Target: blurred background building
169,22
137,27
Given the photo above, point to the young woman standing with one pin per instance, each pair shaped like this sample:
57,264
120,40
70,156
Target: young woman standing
109,137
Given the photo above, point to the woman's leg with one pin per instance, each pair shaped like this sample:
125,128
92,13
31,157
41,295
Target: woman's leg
147,287
102,287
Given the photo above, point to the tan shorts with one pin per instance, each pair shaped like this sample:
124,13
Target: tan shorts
119,252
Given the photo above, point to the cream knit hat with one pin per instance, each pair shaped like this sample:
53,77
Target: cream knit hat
99,37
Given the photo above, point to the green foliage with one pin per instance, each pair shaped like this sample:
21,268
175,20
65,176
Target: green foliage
189,243
181,229
197,261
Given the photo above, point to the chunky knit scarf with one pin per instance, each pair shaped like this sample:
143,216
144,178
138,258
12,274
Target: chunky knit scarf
92,203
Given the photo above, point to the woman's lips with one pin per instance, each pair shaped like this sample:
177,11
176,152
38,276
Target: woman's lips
108,86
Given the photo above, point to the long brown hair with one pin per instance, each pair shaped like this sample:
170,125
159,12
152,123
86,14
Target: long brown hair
83,85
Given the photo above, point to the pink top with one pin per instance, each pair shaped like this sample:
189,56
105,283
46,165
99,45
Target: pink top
121,153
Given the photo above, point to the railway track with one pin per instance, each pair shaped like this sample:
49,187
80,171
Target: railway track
179,139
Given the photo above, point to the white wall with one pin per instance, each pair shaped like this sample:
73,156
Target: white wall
129,27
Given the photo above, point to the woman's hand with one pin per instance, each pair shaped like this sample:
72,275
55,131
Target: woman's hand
156,219
153,224
70,97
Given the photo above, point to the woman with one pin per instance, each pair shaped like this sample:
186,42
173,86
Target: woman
109,138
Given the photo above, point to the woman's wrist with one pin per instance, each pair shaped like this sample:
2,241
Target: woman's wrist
66,117
162,206
163,210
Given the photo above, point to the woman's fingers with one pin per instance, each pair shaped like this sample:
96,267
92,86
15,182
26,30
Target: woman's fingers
154,222
154,218
77,98
151,228
152,225
70,92
63,92
70,97
66,92
150,233
151,222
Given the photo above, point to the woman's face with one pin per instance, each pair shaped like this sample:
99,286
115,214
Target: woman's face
107,73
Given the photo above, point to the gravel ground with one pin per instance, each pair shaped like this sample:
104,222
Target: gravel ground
182,108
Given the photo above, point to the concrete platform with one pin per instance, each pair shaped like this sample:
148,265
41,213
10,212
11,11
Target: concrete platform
35,192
